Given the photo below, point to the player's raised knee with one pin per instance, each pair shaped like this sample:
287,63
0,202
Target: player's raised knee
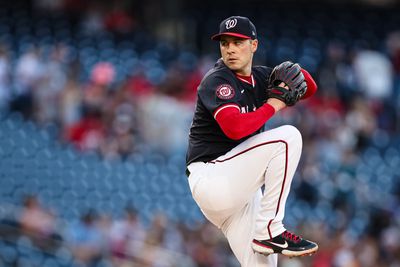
291,133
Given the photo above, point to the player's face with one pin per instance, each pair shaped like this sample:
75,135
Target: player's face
237,53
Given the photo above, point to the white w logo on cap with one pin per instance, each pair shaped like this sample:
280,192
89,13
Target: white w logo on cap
230,23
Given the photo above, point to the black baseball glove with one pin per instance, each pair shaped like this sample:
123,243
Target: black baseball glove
290,74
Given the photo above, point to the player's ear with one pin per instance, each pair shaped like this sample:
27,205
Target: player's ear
254,45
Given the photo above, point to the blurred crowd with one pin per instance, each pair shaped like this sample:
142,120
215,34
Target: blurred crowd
98,114
347,178
98,239
358,96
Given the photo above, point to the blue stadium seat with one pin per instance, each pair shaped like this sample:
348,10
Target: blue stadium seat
9,254
50,262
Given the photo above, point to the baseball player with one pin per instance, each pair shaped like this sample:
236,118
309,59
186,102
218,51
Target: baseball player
230,157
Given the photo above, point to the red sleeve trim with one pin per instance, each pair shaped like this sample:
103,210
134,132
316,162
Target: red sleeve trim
236,125
224,107
311,84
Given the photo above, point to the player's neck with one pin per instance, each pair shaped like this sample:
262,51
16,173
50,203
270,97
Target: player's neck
245,72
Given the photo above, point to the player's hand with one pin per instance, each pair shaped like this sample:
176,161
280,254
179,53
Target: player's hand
276,103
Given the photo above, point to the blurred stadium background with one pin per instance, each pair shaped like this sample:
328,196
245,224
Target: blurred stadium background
96,98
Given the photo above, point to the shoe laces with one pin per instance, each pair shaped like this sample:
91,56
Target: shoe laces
291,236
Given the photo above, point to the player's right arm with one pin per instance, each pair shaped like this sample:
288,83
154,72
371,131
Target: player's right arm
222,99
236,125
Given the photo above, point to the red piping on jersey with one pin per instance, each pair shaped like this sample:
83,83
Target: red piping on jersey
284,176
280,195
247,79
236,125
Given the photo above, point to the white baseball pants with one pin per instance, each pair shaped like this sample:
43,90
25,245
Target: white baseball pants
228,190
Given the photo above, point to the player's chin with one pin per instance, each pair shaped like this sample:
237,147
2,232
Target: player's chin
233,66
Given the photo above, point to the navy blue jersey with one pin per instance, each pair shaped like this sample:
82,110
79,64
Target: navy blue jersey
220,87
